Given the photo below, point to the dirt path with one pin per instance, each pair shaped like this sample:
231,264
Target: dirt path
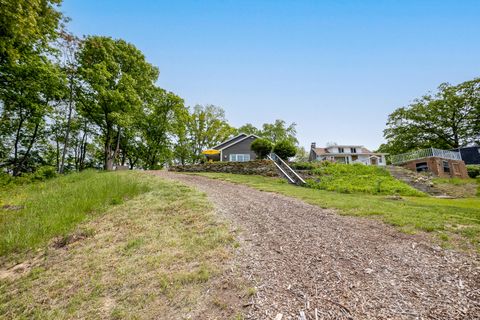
301,258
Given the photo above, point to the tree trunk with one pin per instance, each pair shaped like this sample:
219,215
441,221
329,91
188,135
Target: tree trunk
67,130
108,156
117,146
57,153
17,140
18,168
108,152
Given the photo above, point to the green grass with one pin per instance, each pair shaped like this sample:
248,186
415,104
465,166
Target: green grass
460,188
156,255
459,217
358,178
454,181
32,214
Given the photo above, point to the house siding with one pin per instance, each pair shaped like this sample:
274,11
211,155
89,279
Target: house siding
242,147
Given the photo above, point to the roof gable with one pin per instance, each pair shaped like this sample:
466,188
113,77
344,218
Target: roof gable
226,142
235,140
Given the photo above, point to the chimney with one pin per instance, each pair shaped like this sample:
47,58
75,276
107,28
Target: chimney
314,145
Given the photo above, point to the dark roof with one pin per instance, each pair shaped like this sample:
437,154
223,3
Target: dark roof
226,142
232,141
470,155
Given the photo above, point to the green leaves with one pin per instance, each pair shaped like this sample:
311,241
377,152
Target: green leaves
285,149
27,28
274,132
262,147
117,82
448,119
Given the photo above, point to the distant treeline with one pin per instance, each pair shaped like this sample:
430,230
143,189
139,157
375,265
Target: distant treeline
73,103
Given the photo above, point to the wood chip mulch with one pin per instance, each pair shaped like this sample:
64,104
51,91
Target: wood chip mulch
312,263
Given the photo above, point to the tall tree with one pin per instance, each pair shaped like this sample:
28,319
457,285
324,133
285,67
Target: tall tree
249,128
156,126
69,48
27,28
448,119
182,145
279,131
29,82
116,81
207,127
26,103
274,132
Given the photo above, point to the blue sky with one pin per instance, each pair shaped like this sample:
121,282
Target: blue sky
336,68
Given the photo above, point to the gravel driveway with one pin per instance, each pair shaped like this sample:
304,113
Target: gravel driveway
307,260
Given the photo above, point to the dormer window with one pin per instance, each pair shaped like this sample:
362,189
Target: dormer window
340,150
354,150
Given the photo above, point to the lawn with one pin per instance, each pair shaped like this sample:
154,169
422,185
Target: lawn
30,215
355,178
150,248
455,221
462,188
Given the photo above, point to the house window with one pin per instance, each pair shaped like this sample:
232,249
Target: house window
340,150
421,166
354,150
446,167
239,157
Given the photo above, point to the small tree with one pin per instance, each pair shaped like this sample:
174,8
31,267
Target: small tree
285,149
262,147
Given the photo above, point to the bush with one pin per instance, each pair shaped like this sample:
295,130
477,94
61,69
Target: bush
285,149
40,174
473,170
262,147
303,165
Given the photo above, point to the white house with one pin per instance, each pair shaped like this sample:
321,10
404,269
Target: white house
347,154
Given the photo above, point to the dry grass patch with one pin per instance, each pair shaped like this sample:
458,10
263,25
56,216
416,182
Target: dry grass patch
154,256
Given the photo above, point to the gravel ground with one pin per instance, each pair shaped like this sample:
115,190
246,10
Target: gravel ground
307,260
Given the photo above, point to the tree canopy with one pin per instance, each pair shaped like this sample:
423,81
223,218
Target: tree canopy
274,132
73,103
262,147
448,119
285,149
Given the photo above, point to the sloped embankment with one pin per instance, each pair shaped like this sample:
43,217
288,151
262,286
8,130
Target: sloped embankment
354,178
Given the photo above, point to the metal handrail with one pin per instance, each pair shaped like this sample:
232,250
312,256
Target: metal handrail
288,167
425,153
280,168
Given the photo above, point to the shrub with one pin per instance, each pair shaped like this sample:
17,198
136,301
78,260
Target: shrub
285,149
41,174
473,170
303,165
262,147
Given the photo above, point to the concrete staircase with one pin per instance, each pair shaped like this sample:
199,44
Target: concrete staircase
422,182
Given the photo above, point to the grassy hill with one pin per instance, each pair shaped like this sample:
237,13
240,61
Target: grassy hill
354,178
113,245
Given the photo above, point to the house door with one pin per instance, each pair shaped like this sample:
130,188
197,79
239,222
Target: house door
373,161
